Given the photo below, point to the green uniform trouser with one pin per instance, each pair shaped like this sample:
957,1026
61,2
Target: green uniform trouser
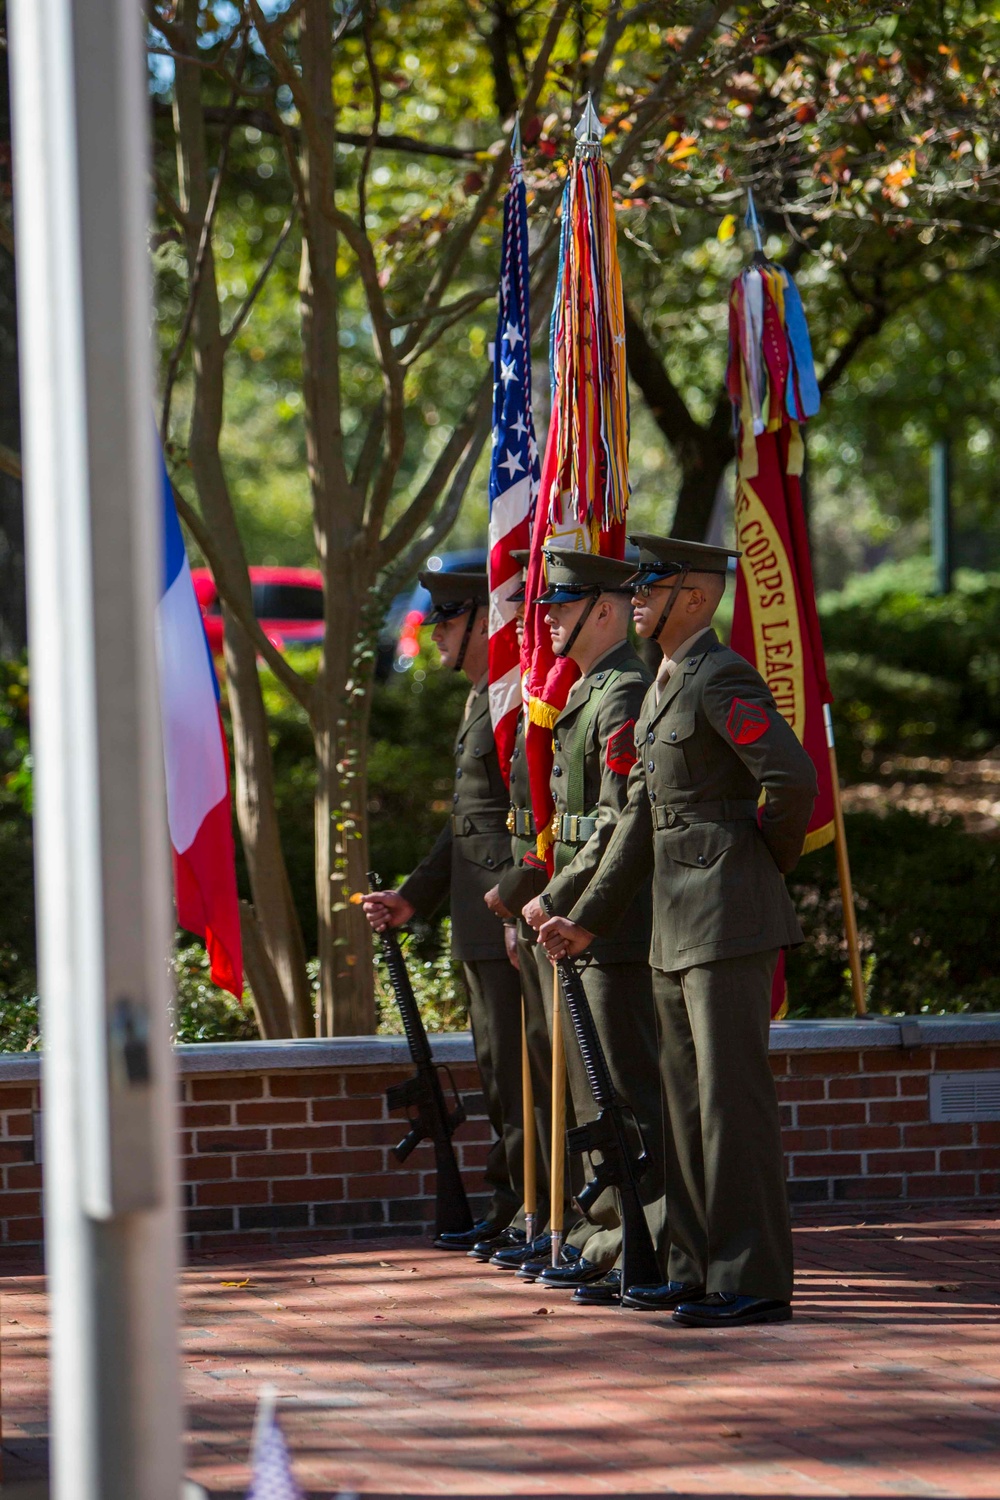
725,1178
540,1060
621,1003
495,1014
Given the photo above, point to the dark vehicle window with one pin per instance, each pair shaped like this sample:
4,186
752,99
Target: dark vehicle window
287,601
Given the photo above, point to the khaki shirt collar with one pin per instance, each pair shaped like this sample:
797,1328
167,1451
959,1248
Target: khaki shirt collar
668,666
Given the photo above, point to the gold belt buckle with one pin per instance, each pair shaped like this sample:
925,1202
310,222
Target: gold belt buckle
511,821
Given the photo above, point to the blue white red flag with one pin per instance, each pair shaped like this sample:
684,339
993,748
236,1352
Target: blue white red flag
514,467
197,765
271,1469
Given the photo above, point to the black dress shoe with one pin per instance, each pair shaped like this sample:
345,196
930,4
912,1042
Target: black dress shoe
604,1293
540,1260
578,1272
464,1239
661,1298
485,1248
731,1310
514,1256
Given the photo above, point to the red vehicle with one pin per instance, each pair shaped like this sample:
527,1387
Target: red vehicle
288,602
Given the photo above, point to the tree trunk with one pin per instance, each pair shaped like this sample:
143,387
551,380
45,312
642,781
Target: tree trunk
347,996
702,468
346,1002
280,930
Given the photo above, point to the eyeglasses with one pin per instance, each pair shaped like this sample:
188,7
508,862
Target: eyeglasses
643,590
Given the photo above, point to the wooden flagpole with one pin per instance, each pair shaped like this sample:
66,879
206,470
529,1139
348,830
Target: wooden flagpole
556,1190
530,1136
844,872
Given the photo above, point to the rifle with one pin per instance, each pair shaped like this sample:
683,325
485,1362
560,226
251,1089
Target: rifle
621,1165
423,1094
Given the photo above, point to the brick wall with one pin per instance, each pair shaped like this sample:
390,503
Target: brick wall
290,1141
856,1126
272,1156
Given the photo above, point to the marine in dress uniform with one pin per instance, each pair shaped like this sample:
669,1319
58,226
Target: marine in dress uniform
472,850
516,885
709,740
593,752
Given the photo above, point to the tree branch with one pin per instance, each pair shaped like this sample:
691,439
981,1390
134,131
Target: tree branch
376,83
460,238
417,512
264,121
666,404
658,100
199,263
365,466
255,290
446,517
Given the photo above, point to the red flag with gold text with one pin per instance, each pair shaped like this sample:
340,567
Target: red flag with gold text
772,383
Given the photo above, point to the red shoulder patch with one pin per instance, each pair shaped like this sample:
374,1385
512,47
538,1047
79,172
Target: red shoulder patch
746,722
621,756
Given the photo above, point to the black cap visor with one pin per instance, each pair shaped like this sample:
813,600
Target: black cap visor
649,575
569,593
439,613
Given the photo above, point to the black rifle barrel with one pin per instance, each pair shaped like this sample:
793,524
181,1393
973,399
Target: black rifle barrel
423,1092
621,1166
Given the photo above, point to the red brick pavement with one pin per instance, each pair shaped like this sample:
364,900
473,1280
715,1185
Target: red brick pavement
405,1372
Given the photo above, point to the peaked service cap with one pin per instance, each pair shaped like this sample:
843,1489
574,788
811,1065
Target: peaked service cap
663,556
575,575
453,594
521,556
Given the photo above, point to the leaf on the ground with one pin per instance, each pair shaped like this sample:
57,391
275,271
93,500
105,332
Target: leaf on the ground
245,1282
540,1312
948,1286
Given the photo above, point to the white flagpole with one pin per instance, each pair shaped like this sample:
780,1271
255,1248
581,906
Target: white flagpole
93,515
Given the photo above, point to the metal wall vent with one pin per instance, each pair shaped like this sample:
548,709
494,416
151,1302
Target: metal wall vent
957,1097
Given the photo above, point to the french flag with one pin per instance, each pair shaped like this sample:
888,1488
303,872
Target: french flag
197,765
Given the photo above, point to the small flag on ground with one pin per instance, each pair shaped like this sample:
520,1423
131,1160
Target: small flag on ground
197,765
271,1476
514,466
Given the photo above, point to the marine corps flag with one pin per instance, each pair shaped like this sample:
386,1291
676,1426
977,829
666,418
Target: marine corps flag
584,489
772,384
771,380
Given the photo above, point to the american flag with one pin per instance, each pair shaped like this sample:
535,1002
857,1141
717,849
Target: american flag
514,467
272,1477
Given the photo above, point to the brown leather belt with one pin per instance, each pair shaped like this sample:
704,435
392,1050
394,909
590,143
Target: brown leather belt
726,811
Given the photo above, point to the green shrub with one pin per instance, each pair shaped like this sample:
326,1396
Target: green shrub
927,898
201,1012
437,984
18,984
911,672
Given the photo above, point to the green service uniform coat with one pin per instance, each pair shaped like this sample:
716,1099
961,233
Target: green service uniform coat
705,749
514,891
471,852
593,752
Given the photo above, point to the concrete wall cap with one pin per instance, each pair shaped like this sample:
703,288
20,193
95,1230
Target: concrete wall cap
826,1035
